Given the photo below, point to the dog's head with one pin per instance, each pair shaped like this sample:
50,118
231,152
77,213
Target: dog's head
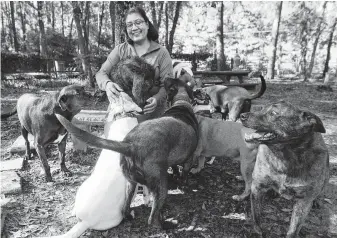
137,78
280,122
201,95
72,98
177,89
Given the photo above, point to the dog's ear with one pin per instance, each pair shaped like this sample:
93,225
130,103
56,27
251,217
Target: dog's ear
171,87
315,121
62,100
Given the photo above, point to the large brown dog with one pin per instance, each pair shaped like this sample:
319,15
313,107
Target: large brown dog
37,117
225,138
231,100
292,158
153,146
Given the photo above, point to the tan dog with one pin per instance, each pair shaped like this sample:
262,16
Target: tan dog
292,159
232,100
225,138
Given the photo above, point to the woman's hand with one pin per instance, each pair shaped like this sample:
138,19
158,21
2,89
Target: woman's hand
112,91
151,106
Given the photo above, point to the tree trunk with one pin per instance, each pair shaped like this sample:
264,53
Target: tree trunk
220,56
3,32
326,65
154,15
275,33
166,26
43,43
174,26
53,15
100,26
23,24
119,13
8,16
70,35
85,24
83,50
304,41
112,7
317,34
161,6
62,18
16,43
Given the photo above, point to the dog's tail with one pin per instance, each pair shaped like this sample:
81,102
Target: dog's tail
261,91
8,114
74,232
95,141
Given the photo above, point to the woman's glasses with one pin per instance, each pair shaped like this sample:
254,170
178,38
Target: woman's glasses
137,23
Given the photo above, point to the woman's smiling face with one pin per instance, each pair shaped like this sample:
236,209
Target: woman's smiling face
136,27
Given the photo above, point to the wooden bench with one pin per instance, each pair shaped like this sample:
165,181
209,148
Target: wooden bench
224,78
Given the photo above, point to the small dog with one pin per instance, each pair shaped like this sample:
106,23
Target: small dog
225,138
183,71
292,158
231,101
37,117
153,146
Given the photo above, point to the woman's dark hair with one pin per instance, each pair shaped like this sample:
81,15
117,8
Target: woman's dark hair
152,33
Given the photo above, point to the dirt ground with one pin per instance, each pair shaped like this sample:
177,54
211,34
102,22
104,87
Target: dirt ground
202,208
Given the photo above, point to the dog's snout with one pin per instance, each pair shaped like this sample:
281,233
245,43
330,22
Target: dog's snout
243,116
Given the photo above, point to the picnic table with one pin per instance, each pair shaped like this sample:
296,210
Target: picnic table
223,78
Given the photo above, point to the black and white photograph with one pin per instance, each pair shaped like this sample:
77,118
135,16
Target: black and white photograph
168,119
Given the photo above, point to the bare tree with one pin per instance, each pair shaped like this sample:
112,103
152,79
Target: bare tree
326,65
112,7
81,41
16,43
220,56
317,36
275,34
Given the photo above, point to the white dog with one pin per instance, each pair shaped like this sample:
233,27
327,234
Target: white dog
100,199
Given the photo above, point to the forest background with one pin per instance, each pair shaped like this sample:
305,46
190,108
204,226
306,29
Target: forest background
281,39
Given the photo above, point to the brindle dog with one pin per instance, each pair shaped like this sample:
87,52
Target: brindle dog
292,158
153,146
